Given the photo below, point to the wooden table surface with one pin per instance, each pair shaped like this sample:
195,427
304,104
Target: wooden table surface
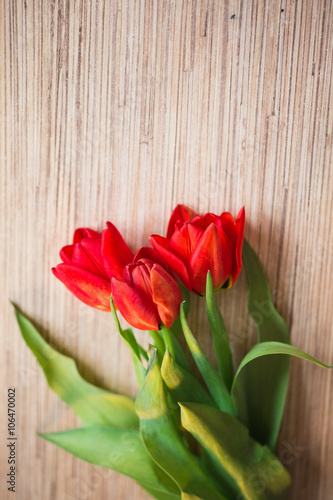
120,110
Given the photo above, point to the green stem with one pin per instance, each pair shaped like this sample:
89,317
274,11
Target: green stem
130,341
158,343
166,333
143,353
220,336
180,356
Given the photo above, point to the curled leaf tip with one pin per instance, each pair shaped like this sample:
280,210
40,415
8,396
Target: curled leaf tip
13,304
152,356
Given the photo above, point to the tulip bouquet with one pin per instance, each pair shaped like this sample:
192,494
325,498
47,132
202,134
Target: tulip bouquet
197,430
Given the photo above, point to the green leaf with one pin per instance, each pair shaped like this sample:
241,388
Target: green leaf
130,340
213,380
158,343
261,387
143,353
165,442
260,306
176,327
182,385
249,468
180,355
167,338
220,336
121,450
94,406
161,495
185,496
274,348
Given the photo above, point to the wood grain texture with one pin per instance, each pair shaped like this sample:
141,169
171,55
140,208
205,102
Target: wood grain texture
118,111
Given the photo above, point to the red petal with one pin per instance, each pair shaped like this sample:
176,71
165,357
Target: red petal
184,240
167,295
80,258
93,248
162,246
135,308
229,227
115,252
66,254
240,226
151,254
180,213
88,287
141,278
85,232
207,219
86,255
211,254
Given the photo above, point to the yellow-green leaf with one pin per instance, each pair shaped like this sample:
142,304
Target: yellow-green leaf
182,385
215,383
219,333
185,496
135,349
263,383
94,406
251,469
121,450
165,442
274,348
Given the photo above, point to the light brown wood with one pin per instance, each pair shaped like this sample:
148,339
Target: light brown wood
118,111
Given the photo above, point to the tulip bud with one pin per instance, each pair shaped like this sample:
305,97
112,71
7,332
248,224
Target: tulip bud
90,263
209,243
147,296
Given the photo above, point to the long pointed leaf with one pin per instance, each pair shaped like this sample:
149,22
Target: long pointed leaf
167,338
121,450
180,355
163,439
185,496
160,495
220,336
263,383
214,382
182,385
130,340
274,348
94,406
177,327
253,469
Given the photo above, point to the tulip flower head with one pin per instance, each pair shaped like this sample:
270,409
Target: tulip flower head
90,263
147,295
194,246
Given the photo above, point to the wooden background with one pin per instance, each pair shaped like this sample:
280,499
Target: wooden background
120,110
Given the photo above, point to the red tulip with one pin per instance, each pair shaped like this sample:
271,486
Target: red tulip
90,263
150,254
180,214
209,243
147,295
116,254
